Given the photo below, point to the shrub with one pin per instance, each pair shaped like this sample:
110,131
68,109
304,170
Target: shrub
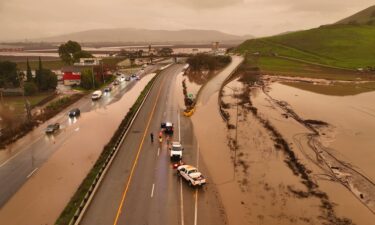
30,88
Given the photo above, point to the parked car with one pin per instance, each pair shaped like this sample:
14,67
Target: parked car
137,77
108,89
96,95
127,79
122,79
167,127
133,75
116,82
74,112
52,128
191,175
176,151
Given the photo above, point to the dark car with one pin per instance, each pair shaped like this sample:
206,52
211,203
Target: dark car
74,112
108,89
133,75
167,127
52,128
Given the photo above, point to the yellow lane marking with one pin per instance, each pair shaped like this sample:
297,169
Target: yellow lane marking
136,158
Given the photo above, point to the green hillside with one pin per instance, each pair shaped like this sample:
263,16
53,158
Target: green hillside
341,46
366,16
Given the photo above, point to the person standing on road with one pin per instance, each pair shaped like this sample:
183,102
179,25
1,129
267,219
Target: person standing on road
152,137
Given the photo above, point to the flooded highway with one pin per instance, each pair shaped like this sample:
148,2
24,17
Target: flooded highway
47,162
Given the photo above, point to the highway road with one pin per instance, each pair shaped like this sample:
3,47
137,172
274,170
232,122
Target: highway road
141,186
23,158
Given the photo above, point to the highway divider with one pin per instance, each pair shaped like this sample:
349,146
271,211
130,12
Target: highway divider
78,204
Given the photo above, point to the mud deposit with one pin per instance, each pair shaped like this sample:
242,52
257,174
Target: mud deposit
42,198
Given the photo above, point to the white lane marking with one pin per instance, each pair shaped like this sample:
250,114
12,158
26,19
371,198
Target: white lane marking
196,193
152,190
179,129
196,208
20,151
197,155
32,172
181,203
158,151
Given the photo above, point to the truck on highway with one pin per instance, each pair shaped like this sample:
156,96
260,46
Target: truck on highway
191,175
167,127
176,151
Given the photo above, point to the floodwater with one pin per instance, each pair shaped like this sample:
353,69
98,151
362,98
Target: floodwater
42,198
348,137
352,118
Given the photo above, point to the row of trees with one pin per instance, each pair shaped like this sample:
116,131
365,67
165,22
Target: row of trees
11,77
201,62
44,79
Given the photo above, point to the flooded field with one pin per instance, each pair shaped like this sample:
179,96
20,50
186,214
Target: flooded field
352,121
332,138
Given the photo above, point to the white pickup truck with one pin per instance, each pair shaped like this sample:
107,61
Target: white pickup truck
176,151
191,175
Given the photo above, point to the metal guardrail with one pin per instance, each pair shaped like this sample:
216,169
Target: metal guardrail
102,172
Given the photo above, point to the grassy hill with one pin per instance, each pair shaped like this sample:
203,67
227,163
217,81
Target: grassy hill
341,46
366,16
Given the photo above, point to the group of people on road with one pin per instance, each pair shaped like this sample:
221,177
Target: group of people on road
160,137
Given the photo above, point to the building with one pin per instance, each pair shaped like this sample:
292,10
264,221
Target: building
72,74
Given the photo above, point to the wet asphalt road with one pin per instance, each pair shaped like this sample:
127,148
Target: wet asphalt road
23,158
141,187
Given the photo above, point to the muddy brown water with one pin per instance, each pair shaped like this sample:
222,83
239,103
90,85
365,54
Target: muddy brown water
352,118
42,198
348,137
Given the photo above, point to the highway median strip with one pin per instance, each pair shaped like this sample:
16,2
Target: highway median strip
79,200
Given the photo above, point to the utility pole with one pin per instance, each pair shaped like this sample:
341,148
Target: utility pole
236,140
93,78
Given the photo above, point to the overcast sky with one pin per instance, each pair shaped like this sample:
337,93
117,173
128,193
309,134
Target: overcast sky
27,19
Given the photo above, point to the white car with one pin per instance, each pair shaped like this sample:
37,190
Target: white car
176,151
191,175
96,95
121,79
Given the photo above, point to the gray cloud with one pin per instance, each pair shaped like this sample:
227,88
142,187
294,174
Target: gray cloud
20,19
204,4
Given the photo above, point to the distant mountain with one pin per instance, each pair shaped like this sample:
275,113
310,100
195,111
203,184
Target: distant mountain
366,16
132,35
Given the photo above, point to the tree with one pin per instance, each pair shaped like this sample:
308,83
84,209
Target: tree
165,51
88,80
47,80
30,88
71,52
29,75
8,75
